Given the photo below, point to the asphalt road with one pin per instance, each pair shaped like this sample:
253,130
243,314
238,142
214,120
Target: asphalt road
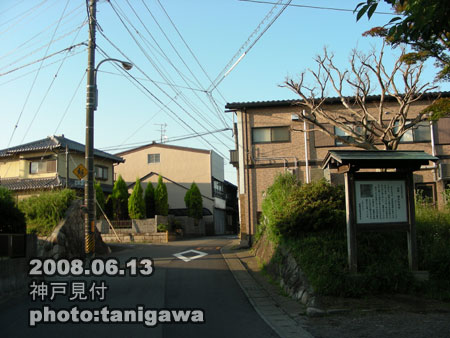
204,283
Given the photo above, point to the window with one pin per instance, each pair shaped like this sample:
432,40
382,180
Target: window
153,158
43,166
218,190
101,173
421,133
271,135
345,135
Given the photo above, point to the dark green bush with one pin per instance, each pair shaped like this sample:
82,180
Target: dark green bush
274,204
161,198
149,200
136,204
120,199
44,212
291,209
313,207
194,202
12,220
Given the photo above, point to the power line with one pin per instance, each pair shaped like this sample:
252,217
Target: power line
39,34
51,83
169,140
238,56
68,49
156,100
312,7
34,82
189,49
35,70
151,61
181,58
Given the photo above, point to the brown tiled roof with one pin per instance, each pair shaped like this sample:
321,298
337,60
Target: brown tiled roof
55,142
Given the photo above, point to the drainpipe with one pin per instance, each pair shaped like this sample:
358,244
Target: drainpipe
433,152
248,180
308,179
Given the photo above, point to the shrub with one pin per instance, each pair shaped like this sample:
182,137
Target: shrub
43,212
161,198
162,227
313,207
291,209
100,197
12,220
149,200
274,203
433,238
136,205
194,202
120,199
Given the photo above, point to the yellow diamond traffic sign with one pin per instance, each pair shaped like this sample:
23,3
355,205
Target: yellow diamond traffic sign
80,171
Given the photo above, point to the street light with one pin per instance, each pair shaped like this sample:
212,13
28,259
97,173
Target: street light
91,106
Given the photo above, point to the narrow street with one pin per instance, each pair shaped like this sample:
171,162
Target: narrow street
204,283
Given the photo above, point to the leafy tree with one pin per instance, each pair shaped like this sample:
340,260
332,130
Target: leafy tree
149,199
12,220
194,202
422,24
136,205
365,125
161,198
120,199
100,197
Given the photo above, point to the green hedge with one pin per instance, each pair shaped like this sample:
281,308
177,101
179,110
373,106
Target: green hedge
43,212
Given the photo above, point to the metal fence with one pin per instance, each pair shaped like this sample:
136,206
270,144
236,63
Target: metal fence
125,224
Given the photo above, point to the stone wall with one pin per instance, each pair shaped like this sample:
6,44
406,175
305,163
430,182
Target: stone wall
159,237
282,264
67,239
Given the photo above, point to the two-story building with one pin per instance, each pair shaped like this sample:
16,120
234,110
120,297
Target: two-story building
180,167
49,163
270,138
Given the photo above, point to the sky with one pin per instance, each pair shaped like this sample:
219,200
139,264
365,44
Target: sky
180,49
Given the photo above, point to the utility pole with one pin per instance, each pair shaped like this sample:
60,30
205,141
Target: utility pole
89,221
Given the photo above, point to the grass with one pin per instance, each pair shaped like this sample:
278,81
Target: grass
382,259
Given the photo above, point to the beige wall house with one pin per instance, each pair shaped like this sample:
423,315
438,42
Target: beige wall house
46,164
179,167
269,140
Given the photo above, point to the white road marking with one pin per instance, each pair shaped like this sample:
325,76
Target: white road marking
188,259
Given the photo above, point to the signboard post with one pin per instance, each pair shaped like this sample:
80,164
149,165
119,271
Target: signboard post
379,200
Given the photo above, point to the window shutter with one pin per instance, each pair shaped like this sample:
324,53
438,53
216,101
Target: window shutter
323,140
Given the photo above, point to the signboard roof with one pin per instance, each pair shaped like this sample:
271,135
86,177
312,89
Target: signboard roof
377,159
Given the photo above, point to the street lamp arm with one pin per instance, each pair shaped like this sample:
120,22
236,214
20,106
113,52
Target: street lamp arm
125,64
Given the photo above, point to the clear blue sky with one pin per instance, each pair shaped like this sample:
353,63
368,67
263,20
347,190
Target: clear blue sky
38,101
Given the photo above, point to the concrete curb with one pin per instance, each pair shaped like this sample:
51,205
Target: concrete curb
263,303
